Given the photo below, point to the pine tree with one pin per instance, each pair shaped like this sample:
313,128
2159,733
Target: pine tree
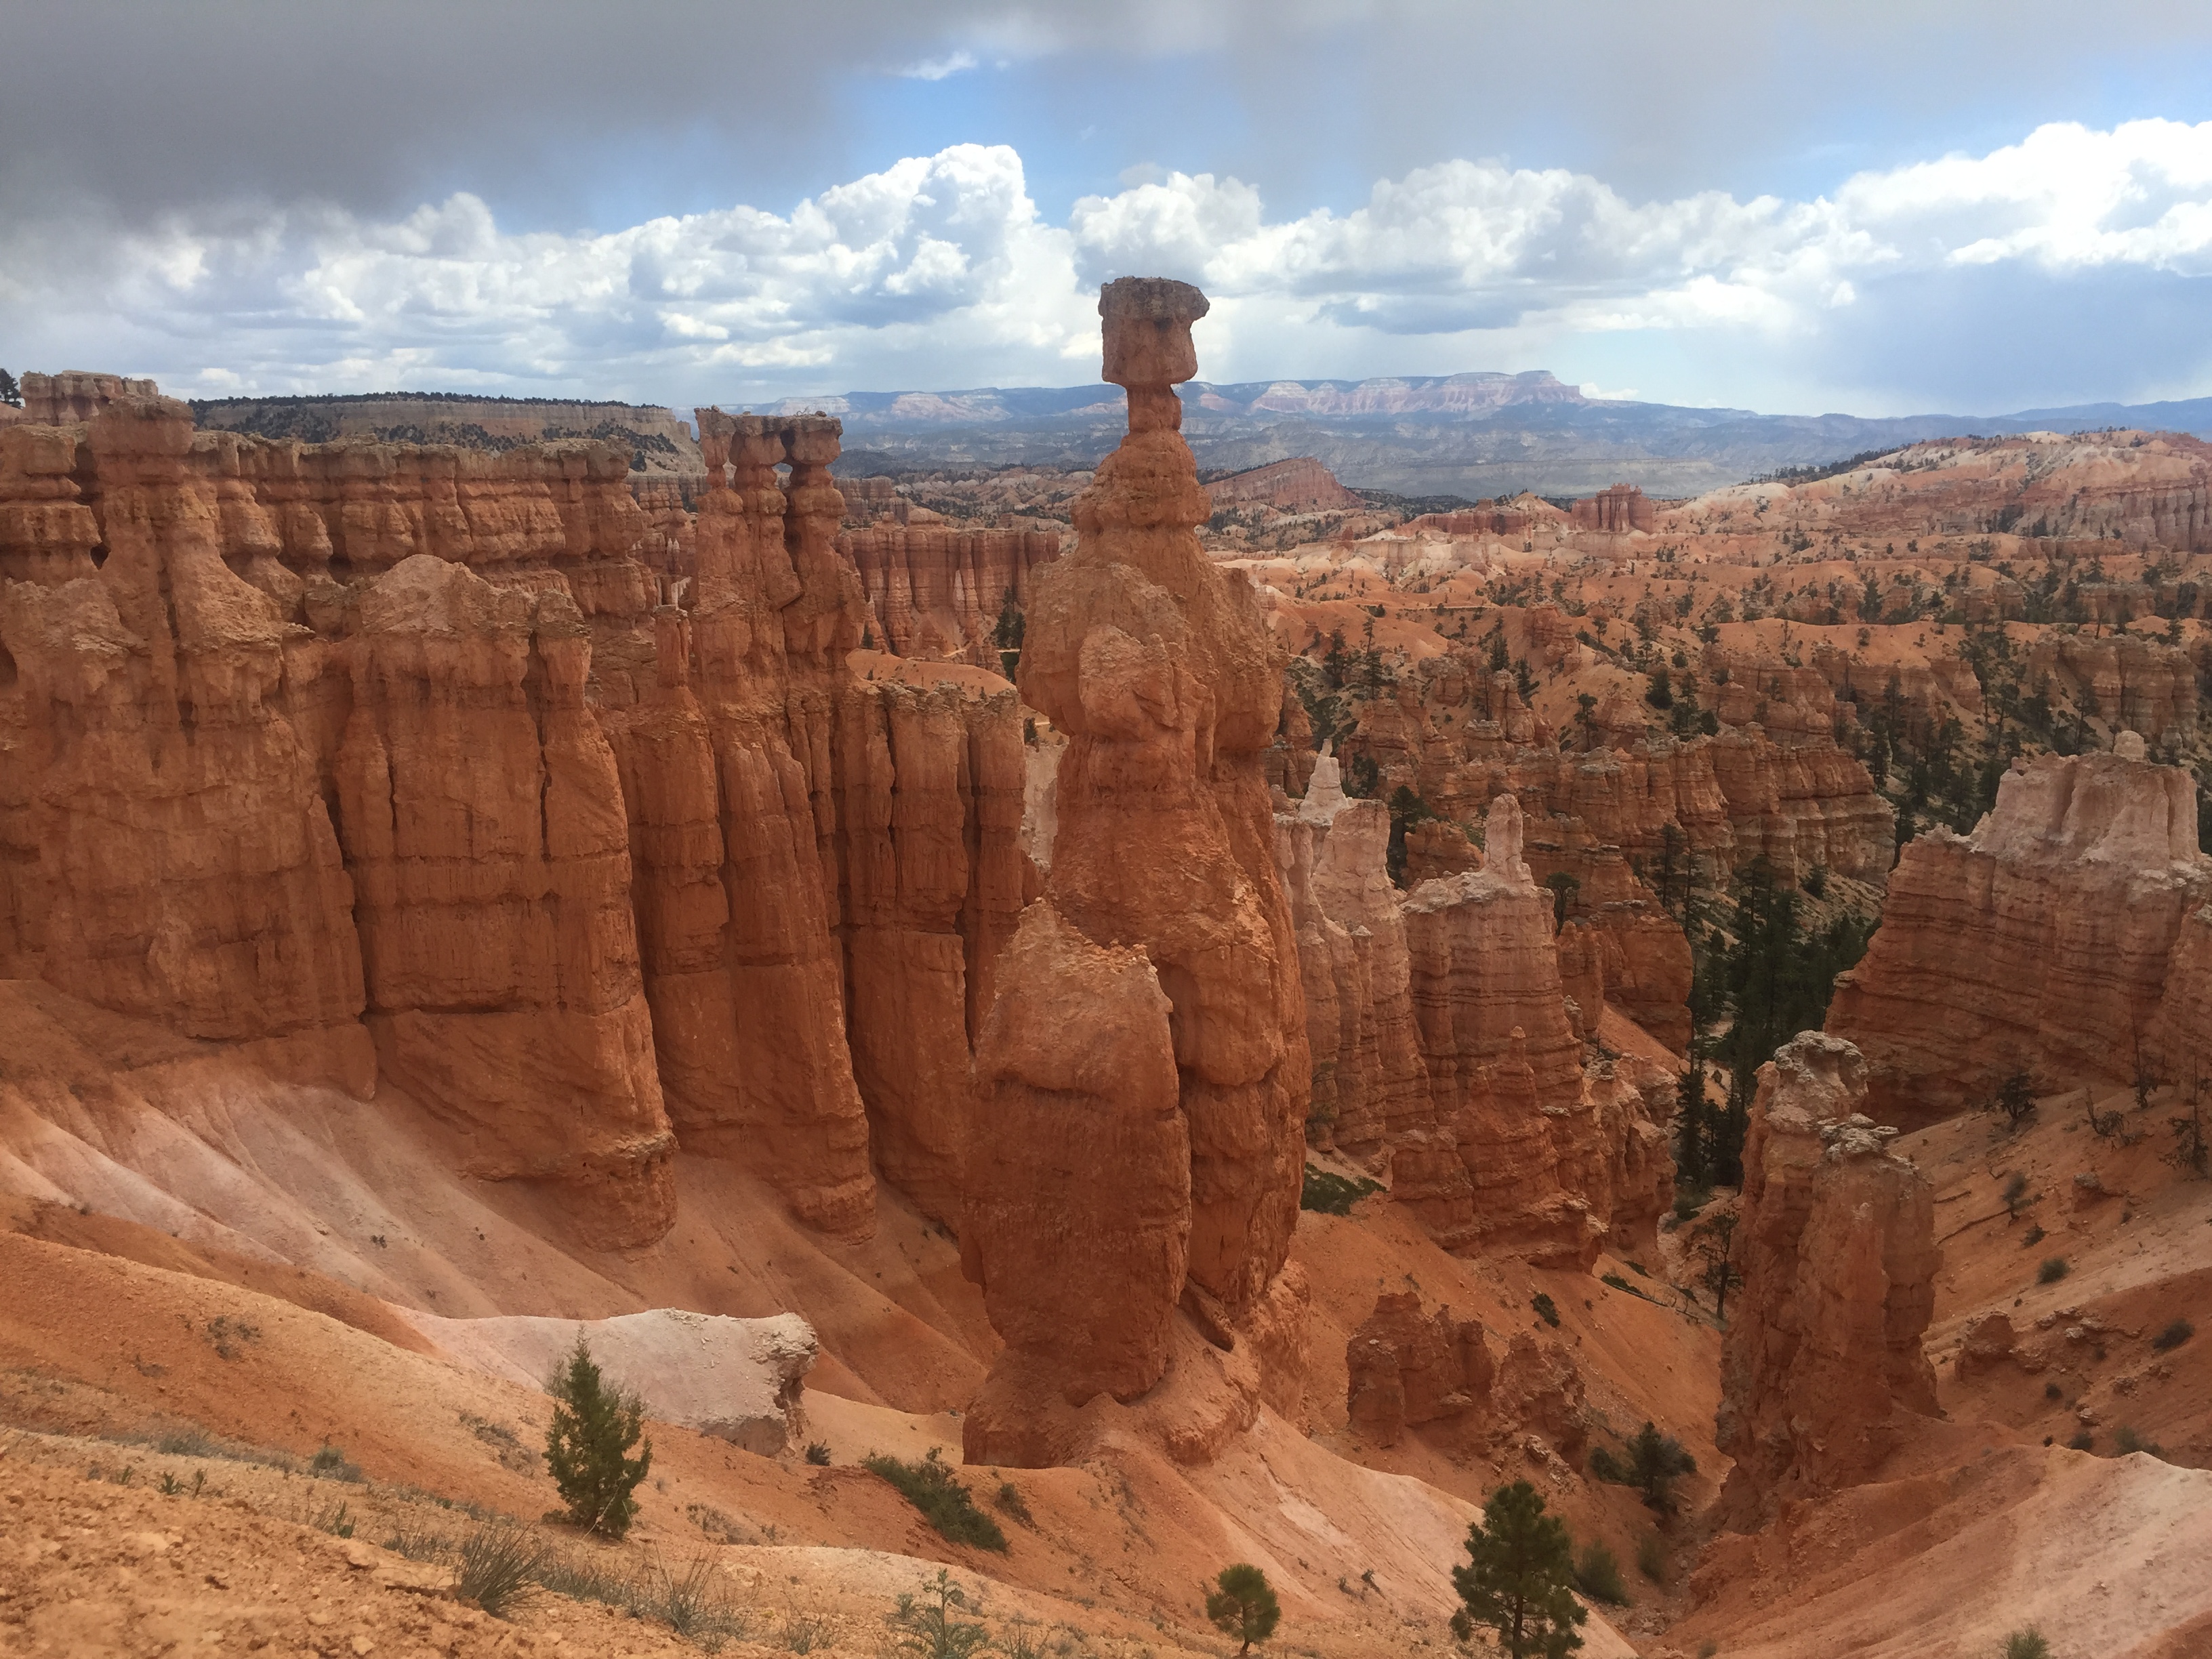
586,1448
9,392
1691,1130
1520,1581
1243,1606
1654,1461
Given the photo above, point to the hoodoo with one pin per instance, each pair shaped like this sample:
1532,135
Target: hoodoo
1823,1362
1157,666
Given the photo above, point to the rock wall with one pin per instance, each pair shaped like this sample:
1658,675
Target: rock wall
1621,506
1156,665
402,763
1369,1082
1515,1153
2041,942
939,592
1302,484
1822,1360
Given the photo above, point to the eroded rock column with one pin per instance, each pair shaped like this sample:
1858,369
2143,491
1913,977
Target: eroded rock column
1156,665
1822,1361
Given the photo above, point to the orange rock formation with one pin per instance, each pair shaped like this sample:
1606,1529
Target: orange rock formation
387,760
1156,665
1822,1357
2046,941
1407,1368
1299,485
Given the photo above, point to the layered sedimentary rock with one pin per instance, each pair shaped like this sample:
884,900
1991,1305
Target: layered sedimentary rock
1822,1366
1157,666
1369,1082
168,851
1621,507
1302,484
2044,942
1404,1368
1079,1192
361,750
1515,1136
75,396
483,824
939,592
930,794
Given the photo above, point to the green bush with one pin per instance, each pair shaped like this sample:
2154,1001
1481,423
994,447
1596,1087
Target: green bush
1597,1574
2082,1441
2053,1269
587,1447
1651,1558
929,1486
817,1453
1243,1606
1546,1310
330,1464
2126,1440
2173,1336
2027,1643
2030,1239
1326,1192
1654,1462
1009,1500
926,1627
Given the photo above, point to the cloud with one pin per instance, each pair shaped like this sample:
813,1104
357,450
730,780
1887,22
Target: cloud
938,68
941,271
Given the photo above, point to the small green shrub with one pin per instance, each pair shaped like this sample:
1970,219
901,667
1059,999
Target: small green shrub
2126,1440
2053,1269
498,1565
1242,1605
929,1486
817,1453
335,1519
1546,1310
926,1627
2052,1391
2082,1441
2030,1239
1597,1575
1604,1466
2173,1336
2027,1643
1326,1192
2015,1188
1687,1204
1011,1500
587,1446
695,1604
330,1464
1651,1559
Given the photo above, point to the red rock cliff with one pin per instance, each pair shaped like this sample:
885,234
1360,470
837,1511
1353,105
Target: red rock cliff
2041,942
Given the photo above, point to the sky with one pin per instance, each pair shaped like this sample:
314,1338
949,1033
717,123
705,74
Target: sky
1884,207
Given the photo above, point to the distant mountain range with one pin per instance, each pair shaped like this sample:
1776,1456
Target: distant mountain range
1473,435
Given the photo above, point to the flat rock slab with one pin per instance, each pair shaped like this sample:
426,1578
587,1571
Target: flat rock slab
737,1379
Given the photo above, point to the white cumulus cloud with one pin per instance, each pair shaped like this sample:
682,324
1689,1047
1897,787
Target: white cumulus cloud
940,271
